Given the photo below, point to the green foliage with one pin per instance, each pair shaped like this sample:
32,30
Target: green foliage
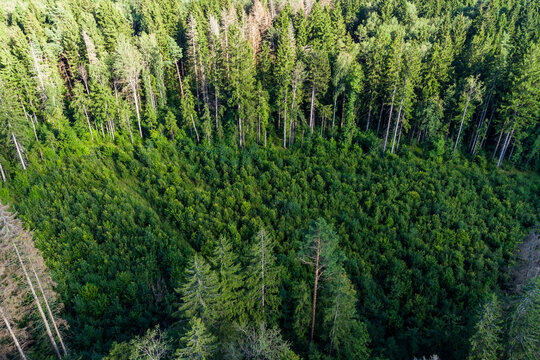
486,341
198,343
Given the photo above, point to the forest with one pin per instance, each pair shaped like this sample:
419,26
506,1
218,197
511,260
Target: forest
269,179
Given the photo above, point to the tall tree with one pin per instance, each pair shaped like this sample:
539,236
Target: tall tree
319,251
263,280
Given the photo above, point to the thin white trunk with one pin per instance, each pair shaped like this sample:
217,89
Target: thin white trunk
399,116
312,109
462,121
2,173
88,121
50,312
10,330
18,150
134,91
38,303
195,128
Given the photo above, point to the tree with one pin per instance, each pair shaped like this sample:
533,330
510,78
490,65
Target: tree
188,108
263,280
200,292
524,331
199,344
154,345
348,337
486,341
319,76
225,263
473,91
259,343
319,251
127,68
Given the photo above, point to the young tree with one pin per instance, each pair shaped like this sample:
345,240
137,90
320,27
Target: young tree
486,341
524,332
200,292
199,344
320,252
231,280
347,335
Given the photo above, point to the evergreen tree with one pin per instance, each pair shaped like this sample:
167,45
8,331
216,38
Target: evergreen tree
486,341
319,251
263,280
199,344
200,292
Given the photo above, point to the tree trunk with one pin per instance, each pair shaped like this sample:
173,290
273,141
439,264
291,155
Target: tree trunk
505,147
368,118
399,116
461,125
390,116
135,98
334,115
315,289
18,150
88,122
262,276
380,118
50,312
312,109
179,80
10,330
285,122
2,173
36,299
498,142
195,128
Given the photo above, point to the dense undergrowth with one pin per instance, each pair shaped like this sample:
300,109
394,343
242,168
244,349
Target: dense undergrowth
423,242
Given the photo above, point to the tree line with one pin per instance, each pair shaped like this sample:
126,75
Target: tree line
456,76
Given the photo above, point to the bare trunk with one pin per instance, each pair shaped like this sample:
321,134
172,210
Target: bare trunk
312,109
390,116
498,142
505,147
88,122
461,125
179,80
10,330
50,313
195,128
262,275
399,116
38,303
334,116
134,90
315,286
2,173
285,122
19,153
380,118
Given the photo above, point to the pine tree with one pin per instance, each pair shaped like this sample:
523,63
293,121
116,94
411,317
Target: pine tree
200,292
486,341
319,251
199,344
231,280
348,337
263,280
524,331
